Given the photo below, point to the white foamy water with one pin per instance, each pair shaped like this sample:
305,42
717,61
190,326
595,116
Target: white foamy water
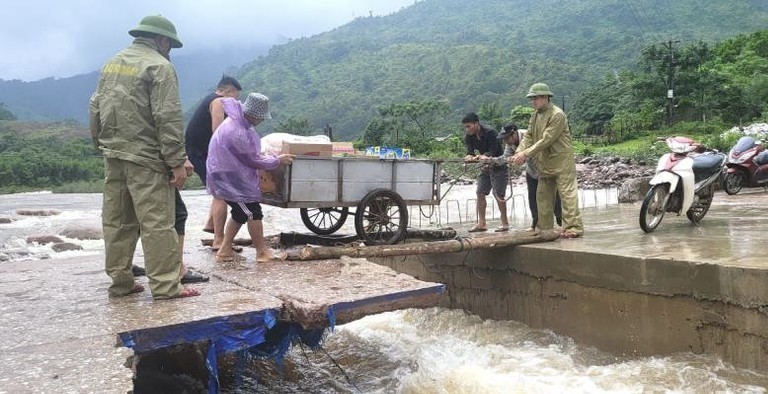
412,351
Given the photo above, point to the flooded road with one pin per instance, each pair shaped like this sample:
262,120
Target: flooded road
411,351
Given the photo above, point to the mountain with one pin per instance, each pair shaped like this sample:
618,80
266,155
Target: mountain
467,52
477,52
56,99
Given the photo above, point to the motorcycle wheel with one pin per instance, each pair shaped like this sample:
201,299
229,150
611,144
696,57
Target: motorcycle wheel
700,208
654,206
733,182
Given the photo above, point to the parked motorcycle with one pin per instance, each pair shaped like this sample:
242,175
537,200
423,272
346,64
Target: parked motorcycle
747,166
685,181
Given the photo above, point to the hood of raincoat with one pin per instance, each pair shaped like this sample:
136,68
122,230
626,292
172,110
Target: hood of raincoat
235,158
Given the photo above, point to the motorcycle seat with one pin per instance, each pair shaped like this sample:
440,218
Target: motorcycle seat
706,165
707,162
761,158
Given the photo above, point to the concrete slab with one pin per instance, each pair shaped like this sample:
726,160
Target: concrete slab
59,329
724,257
732,233
683,288
352,287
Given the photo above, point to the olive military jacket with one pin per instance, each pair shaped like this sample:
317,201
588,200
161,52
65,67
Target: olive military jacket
135,113
548,141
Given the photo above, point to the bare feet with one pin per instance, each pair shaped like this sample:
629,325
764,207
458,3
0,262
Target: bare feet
188,292
271,256
235,248
228,257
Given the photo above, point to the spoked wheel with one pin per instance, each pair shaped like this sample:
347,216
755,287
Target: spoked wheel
324,221
381,218
701,205
733,182
654,206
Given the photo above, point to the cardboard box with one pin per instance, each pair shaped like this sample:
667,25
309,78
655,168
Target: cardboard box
343,149
385,152
307,149
267,182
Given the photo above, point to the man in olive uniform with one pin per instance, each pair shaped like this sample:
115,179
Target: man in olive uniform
136,121
548,140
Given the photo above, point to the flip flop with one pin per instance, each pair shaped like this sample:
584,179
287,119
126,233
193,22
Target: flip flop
208,230
193,277
477,229
501,229
138,271
279,256
235,248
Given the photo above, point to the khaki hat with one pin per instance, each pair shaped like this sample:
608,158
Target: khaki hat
257,105
539,89
157,24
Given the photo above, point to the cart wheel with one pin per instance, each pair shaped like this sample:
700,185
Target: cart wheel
324,221
381,218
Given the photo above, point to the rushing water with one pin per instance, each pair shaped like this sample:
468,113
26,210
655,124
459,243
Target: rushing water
412,351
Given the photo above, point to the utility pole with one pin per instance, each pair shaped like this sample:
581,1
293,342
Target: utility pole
671,80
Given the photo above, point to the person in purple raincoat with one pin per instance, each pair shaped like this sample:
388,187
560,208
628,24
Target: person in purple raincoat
234,162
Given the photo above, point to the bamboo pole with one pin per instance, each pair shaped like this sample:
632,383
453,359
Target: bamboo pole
450,246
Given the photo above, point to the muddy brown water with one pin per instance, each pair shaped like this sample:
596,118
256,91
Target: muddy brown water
434,350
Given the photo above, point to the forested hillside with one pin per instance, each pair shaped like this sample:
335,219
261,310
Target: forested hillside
480,52
722,85
465,53
57,99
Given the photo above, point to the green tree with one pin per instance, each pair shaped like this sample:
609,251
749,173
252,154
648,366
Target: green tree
411,124
293,126
5,114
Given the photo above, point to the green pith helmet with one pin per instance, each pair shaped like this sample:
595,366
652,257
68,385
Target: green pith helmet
539,89
158,25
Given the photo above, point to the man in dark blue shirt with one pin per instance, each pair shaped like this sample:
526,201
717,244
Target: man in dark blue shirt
485,141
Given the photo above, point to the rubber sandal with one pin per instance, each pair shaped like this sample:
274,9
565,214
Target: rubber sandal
279,256
138,271
187,292
193,277
208,230
501,229
477,230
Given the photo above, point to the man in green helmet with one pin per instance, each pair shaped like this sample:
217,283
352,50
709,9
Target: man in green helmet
136,121
548,141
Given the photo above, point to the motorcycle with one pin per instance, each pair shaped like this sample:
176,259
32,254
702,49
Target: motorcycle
747,166
685,181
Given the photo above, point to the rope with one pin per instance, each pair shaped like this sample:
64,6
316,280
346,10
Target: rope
341,369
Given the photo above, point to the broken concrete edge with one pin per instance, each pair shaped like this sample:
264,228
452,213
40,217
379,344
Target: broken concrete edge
247,332
219,330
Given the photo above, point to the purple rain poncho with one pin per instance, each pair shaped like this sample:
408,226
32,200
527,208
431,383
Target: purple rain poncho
234,158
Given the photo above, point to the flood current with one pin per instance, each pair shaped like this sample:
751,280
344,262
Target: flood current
433,350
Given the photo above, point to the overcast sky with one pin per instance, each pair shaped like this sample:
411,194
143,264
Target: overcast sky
60,38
